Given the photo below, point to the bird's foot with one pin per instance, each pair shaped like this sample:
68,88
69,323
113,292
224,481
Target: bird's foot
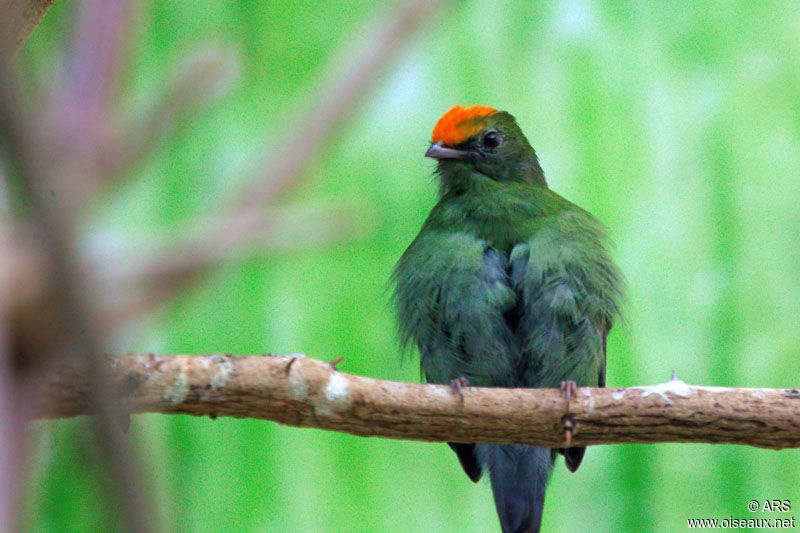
569,427
458,385
568,389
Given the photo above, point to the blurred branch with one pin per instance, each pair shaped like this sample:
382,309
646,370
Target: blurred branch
15,293
65,317
93,64
204,75
299,391
75,120
344,92
11,426
18,19
158,266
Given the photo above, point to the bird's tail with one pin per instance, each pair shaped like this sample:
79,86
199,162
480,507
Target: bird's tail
519,475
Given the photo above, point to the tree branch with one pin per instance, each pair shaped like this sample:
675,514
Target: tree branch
299,391
19,19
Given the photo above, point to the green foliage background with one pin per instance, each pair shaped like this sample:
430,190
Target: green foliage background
676,124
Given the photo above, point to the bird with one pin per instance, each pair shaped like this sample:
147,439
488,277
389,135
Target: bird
507,284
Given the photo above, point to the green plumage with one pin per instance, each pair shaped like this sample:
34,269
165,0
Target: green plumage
507,285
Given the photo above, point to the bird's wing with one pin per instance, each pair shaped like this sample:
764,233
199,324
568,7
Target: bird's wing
569,291
452,290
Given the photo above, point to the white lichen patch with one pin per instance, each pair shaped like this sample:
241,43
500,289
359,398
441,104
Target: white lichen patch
337,388
224,369
179,389
682,389
757,393
335,396
712,389
588,401
673,386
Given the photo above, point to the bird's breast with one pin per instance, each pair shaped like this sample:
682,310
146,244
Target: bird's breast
501,221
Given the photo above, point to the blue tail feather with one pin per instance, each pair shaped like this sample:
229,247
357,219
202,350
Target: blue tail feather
518,475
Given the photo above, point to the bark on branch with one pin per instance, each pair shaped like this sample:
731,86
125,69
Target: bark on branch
300,391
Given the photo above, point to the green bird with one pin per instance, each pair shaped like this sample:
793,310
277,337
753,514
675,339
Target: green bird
507,285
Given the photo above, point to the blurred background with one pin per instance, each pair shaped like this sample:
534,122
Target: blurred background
263,163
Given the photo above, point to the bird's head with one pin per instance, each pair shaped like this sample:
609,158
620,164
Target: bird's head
483,140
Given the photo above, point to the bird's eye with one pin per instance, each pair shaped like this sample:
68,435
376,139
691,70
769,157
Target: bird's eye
491,140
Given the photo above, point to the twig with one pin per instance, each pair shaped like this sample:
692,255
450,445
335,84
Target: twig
335,104
299,391
201,77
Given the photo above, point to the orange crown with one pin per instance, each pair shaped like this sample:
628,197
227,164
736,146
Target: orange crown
460,123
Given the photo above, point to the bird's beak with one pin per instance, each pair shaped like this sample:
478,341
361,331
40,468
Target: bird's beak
439,151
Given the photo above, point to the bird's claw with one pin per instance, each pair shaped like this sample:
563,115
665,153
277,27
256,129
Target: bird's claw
569,427
568,389
458,385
